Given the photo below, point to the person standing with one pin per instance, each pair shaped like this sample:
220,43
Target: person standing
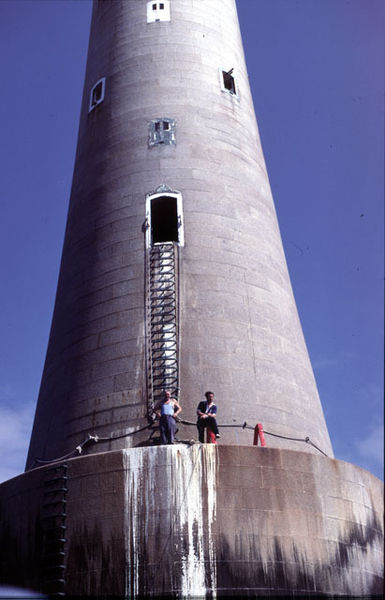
167,409
206,412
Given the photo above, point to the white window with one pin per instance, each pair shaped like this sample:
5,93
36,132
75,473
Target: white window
158,11
164,217
161,131
97,94
228,82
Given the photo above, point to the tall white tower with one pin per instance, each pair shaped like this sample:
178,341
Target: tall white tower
171,193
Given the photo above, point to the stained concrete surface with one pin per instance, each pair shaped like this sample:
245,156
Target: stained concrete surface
202,520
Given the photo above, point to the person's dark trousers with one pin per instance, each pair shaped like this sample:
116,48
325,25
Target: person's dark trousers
212,423
201,424
167,429
209,422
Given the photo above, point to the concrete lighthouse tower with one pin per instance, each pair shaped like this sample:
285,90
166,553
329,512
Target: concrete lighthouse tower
173,273
173,277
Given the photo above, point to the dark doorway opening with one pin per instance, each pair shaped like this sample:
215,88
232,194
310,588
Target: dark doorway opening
164,220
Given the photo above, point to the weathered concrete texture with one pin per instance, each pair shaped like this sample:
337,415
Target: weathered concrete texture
239,330
195,520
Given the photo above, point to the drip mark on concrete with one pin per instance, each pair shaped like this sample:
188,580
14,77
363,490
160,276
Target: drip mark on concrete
170,511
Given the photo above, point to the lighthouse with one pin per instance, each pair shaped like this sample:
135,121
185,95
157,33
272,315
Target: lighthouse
173,278
173,273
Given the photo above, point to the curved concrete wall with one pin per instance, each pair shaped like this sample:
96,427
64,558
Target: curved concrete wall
196,520
239,328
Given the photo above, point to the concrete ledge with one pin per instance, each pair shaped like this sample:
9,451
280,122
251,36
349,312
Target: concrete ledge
191,520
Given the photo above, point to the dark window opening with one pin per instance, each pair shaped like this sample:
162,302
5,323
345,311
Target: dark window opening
97,93
154,7
164,220
161,6
161,131
229,82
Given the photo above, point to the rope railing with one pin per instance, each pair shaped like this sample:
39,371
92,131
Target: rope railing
94,439
307,439
91,439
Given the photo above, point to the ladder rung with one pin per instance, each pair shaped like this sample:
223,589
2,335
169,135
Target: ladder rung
162,364
162,323
160,308
57,468
159,383
162,314
171,375
157,291
163,350
163,271
160,335
54,502
162,262
55,480
159,364
162,278
168,318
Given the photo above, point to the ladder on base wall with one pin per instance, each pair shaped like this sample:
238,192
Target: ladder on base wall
163,321
54,514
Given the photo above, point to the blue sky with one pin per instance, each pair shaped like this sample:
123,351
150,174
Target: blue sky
316,73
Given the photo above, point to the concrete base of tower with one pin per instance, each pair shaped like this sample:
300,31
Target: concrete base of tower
198,521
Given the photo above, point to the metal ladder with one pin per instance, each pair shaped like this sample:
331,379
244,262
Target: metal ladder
54,527
163,321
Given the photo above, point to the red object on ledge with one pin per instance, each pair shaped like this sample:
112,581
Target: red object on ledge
258,432
210,435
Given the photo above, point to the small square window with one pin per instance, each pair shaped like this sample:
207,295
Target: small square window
158,11
97,94
161,131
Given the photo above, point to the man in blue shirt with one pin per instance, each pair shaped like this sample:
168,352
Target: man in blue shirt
206,412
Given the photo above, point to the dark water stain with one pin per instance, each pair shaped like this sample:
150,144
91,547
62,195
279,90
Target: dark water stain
249,572
94,563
